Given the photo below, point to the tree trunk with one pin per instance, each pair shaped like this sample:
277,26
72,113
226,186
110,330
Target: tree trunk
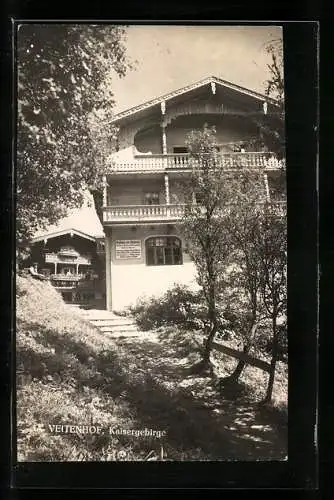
98,203
208,345
205,363
234,377
212,313
268,396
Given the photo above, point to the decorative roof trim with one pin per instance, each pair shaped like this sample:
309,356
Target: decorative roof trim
54,234
213,80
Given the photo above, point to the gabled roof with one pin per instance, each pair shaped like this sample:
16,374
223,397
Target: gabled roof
201,83
55,234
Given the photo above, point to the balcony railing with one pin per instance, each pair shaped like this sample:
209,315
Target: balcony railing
72,281
157,213
67,277
139,213
156,163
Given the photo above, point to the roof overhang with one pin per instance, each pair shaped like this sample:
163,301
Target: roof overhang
157,105
55,234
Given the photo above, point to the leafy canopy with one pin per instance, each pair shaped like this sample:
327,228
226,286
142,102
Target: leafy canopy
65,103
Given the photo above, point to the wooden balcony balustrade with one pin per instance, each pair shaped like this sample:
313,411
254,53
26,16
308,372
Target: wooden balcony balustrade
157,213
72,281
138,213
158,162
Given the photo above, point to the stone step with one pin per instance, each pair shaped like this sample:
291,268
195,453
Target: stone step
108,318
111,322
123,335
125,328
101,315
130,335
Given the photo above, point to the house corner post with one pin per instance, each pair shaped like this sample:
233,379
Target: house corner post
108,271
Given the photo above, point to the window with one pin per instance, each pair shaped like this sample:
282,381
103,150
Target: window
152,199
199,198
163,251
180,150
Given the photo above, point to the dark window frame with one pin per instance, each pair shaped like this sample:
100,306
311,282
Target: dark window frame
163,251
152,198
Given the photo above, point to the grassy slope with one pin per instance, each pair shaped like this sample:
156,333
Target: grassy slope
70,373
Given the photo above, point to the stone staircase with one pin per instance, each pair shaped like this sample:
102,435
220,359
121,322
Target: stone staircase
110,323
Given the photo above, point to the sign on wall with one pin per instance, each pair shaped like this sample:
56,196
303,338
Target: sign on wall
128,249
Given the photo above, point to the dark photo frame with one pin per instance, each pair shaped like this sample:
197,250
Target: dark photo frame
300,471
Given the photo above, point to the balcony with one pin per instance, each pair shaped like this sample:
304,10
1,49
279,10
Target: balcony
66,281
72,281
142,213
67,258
157,213
180,162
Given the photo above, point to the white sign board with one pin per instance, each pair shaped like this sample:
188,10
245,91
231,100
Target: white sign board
128,249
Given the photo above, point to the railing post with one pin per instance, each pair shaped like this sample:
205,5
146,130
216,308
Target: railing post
167,189
164,139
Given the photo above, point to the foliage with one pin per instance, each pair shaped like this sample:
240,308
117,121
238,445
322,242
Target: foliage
272,255
179,306
203,222
264,340
65,103
271,250
234,226
272,125
220,229
275,84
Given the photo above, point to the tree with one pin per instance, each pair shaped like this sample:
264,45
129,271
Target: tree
65,103
272,125
242,225
271,251
203,225
258,235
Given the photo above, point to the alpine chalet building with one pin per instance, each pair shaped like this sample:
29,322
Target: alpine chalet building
142,203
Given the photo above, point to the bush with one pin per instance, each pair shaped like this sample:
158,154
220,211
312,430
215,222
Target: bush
263,341
182,307
178,306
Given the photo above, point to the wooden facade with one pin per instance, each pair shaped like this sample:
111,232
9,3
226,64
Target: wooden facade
74,263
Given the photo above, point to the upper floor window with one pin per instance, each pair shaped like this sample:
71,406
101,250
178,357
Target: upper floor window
199,198
163,251
151,199
180,150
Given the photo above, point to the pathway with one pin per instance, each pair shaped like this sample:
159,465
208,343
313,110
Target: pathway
201,422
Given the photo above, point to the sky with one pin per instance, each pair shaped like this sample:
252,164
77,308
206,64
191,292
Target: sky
171,57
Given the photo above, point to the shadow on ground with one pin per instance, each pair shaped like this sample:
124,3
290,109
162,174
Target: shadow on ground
152,376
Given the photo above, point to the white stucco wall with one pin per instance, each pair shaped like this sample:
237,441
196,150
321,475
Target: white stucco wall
132,278
130,282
